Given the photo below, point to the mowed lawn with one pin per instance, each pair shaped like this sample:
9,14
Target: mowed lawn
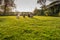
36,28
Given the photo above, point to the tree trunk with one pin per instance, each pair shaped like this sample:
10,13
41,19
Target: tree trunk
5,6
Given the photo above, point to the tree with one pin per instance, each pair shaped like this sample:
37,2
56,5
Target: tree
43,3
8,5
54,7
52,10
38,12
0,1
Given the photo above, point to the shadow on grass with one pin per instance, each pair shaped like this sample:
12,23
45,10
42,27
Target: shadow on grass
35,19
41,20
8,38
2,19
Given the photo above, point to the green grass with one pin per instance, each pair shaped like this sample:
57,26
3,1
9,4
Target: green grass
36,28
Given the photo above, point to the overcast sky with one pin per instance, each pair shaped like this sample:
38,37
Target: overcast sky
26,5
